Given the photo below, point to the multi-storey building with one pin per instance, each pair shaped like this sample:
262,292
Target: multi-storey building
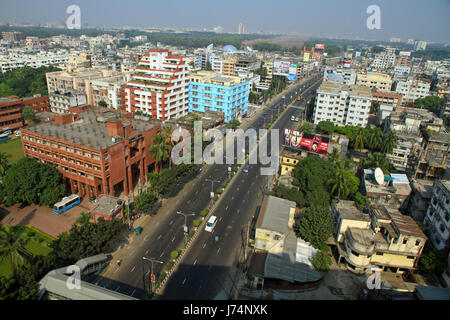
61,101
383,238
342,105
384,60
228,67
110,90
12,36
159,87
412,88
245,66
374,80
344,76
97,150
437,219
210,91
420,45
11,108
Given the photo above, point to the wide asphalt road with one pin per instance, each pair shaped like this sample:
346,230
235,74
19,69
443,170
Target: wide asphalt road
208,268
163,233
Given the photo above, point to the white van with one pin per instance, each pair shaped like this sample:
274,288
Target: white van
211,224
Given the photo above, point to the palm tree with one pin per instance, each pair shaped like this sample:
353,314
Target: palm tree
375,139
12,247
358,139
389,143
167,133
334,156
160,151
339,183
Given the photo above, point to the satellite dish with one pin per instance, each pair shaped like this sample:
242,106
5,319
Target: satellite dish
379,176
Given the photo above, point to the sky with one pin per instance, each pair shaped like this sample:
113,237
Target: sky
418,19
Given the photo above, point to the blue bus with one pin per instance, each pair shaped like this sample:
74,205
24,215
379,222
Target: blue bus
66,203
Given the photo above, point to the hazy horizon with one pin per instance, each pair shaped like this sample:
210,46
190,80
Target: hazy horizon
425,20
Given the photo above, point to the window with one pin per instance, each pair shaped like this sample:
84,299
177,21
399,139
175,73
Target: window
417,242
379,253
405,240
355,253
410,257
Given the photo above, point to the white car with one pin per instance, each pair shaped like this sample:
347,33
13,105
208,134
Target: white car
211,224
17,133
292,118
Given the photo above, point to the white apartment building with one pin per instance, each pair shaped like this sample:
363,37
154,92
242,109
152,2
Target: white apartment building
109,90
420,45
20,60
342,104
384,60
159,86
412,89
437,219
374,80
61,101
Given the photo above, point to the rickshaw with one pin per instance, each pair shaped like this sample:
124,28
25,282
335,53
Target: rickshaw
217,238
138,230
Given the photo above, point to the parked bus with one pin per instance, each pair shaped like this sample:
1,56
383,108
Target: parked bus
66,203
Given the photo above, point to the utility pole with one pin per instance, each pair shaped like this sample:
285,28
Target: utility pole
152,275
212,186
185,227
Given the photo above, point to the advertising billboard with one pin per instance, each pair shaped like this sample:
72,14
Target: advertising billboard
308,142
291,77
281,67
320,46
306,56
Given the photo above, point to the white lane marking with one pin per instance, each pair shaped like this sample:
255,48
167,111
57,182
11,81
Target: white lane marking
195,262
146,252
147,272
238,210
173,239
232,198
133,269
118,288
159,237
220,218
218,251
133,292
146,237
170,223
204,245
116,270
226,208
161,254
183,281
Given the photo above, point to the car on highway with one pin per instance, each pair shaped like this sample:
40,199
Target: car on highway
211,224
246,168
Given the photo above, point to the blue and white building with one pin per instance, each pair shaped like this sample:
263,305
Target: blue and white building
211,91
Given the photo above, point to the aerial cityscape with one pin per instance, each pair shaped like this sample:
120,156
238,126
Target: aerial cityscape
154,150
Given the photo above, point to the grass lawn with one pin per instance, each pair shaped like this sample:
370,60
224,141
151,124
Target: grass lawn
33,245
12,147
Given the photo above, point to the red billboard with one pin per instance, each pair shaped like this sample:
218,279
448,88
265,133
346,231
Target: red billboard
320,46
304,141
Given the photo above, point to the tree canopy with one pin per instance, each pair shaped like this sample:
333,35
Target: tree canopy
29,181
431,103
315,226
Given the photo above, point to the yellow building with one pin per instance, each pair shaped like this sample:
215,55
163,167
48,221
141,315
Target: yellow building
288,161
378,80
228,67
382,238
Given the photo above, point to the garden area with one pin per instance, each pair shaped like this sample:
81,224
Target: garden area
13,149
36,243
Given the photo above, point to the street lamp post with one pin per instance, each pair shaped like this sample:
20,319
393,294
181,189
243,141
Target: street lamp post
185,223
152,275
212,186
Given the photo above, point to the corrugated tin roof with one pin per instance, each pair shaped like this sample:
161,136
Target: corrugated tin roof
275,214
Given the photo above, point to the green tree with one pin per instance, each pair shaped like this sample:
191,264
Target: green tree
334,157
160,151
292,194
28,114
84,218
306,127
4,163
377,160
315,226
322,260
390,141
361,201
103,104
12,247
344,183
234,124
326,127
435,261
145,201
208,66
29,181
374,107
431,103
374,139
358,139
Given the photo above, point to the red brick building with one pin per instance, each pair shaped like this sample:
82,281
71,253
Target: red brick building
386,97
97,150
11,110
